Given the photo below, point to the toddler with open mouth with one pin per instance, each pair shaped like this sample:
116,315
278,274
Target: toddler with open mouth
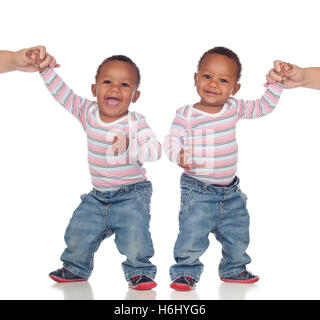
119,141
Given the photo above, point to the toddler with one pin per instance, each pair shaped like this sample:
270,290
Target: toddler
119,141
202,140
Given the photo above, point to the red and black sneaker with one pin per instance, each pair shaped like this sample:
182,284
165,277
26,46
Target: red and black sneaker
141,283
64,275
183,284
243,277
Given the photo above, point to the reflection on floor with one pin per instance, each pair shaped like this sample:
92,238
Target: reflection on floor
75,290
235,291
83,291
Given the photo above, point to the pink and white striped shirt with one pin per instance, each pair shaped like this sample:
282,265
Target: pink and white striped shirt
108,171
213,136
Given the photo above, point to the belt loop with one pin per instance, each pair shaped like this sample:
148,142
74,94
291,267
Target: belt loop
205,187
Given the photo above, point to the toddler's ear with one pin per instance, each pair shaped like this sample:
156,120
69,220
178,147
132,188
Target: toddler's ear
94,90
236,88
135,96
195,78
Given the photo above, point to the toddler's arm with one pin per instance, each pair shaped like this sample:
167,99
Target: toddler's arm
251,109
175,145
76,105
144,146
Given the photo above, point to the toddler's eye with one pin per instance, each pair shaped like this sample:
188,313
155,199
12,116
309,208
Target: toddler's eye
206,76
124,85
107,82
223,80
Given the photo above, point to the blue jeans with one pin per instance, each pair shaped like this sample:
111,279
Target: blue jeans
208,208
125,213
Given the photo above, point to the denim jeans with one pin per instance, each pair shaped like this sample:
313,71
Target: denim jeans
125,213
208,208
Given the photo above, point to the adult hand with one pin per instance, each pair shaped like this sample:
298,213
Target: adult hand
288,74
33,59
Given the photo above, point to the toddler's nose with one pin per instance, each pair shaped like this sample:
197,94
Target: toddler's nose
115,88
214,83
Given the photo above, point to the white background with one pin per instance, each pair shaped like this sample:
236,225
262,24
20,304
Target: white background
44,169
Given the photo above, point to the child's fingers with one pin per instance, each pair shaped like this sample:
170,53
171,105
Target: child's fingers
48,61
33,57
286,66
184,158
53,62
277,65
115,145
269,81
120,144
186,166
289,70
43,51
273,76
32,54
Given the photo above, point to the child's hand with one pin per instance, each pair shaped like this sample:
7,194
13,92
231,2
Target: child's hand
184,156
32,59
288,74
278,73
42,61
120,144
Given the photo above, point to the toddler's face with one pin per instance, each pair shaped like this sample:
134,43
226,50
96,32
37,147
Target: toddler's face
216,80
115,89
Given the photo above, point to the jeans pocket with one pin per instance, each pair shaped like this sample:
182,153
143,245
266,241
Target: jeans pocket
243,197
144,200
186,198
77,210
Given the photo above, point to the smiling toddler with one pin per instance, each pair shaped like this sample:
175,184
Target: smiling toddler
119,141
202,140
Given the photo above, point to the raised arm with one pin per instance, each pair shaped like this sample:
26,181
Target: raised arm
76,105
251,109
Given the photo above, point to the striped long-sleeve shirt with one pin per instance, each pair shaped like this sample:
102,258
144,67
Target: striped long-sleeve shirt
212,137
108,171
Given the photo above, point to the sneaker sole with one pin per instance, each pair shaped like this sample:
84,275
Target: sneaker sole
180,287
240,281
144,286
61,280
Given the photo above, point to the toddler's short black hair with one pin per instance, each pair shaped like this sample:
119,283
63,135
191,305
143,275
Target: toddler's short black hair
225,52
123,59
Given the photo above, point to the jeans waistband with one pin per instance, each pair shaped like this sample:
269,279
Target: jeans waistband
206,187
143,185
